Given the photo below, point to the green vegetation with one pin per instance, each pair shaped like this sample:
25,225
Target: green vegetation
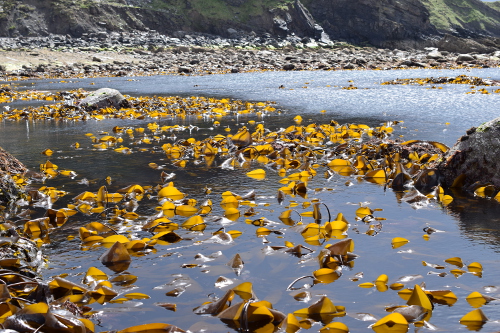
495,5
221,9
446,14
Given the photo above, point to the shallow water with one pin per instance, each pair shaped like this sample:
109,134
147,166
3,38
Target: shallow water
470,226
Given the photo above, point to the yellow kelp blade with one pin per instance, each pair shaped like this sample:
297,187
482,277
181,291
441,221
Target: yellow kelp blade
259,312
444,148
171,192
363,211
192,221
214,308
335,327
338,163
185,210
94,274
475,267
383,278
57,217
477,300
457,261
378,176
110,240
102,194
392,323
259,174
115,254
291,324
474,320
244,290
243,138
419,297
326,275
398,242
233,312
152,328
342,247
322,306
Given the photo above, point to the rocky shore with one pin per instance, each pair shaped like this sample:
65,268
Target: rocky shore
150,53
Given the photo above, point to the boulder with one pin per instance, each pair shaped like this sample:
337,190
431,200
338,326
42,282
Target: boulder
465,57
474,157
184,69
434,55
103,98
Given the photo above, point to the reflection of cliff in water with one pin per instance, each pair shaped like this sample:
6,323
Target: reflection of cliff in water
478,218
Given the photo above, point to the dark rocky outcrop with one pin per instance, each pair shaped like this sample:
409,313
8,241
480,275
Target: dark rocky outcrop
474,157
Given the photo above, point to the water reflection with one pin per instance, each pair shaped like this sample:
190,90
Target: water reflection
478,219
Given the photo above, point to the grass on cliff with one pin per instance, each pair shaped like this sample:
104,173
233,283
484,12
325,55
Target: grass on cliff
239,10
495,5
446,14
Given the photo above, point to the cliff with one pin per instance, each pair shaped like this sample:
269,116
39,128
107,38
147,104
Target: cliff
384,23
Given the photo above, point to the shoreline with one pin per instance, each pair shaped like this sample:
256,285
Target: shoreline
83,62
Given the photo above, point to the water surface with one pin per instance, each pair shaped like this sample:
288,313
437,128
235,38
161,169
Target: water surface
470,225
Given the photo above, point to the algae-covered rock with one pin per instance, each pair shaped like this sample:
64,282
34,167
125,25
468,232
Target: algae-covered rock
474,158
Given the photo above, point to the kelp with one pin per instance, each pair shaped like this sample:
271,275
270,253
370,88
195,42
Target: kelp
120,230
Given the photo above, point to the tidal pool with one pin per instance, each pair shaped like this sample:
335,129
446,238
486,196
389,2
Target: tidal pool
469,225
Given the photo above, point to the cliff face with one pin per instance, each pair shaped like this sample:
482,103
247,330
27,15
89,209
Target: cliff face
43,17
383,23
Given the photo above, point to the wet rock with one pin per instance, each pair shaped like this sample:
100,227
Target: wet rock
289,67
103,98
474,157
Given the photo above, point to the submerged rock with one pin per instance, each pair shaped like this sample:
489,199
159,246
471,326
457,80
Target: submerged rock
103,98
474,157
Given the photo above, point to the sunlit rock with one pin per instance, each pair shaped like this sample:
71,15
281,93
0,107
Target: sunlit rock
474,157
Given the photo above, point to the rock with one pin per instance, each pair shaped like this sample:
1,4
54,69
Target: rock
10,164
184,69
289,67
10,191
465,57
435,55
103,98
474,157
